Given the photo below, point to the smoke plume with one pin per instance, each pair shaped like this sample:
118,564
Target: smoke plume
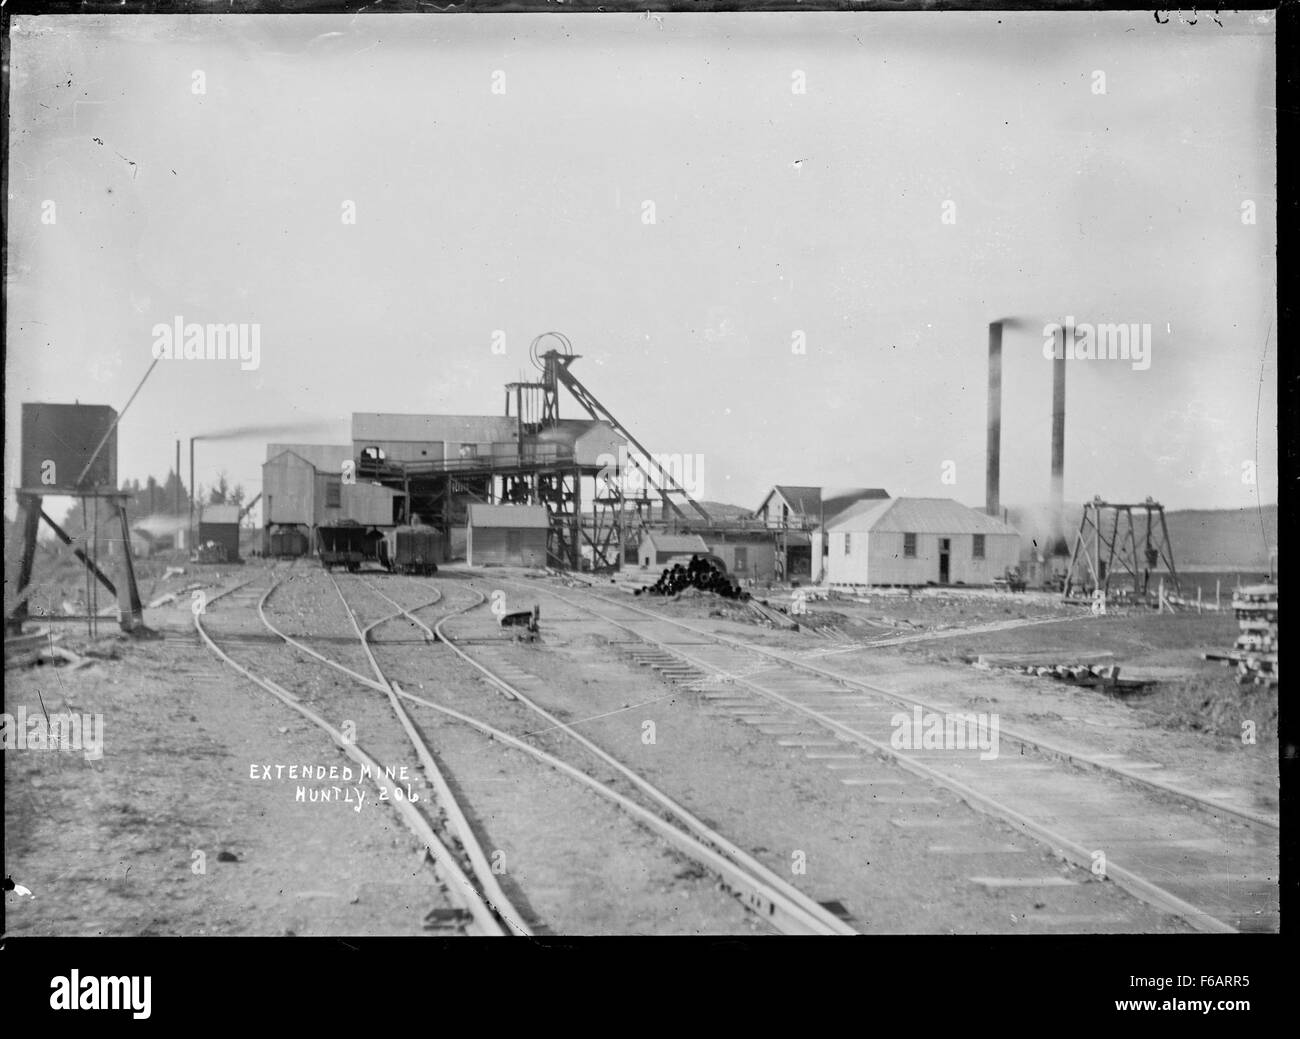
281,429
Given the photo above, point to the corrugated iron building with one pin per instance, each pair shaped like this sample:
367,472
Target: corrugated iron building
506,535
290,480
747,557
303,488
917,541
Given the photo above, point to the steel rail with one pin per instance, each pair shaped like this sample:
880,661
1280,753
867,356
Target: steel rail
1063,846
754,882
453,878
491,890
1035,742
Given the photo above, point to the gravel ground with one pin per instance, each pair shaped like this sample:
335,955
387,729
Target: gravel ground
937,672
107,846
141,840
874,856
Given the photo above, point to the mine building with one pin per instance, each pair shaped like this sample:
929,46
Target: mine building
446,463
748,555
792,512
916,541
506,535
601,490
306,487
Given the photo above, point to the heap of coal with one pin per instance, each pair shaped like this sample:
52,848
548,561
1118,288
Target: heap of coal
699,573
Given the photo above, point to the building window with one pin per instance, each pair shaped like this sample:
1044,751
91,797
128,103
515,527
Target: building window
334,494
848,543
785,515
909,546
741,560
977,549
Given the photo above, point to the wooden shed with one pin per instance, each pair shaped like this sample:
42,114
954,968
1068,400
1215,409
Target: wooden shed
220,523
656,549
506,535
917,541
747,556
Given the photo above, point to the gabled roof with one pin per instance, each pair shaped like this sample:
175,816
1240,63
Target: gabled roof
833,505
324,457
812,503
918,516
571,430
219,514
804,500
533,517
678,544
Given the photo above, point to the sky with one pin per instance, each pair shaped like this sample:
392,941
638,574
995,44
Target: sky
935,172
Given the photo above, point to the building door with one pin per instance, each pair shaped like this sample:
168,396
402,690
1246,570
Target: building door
945,550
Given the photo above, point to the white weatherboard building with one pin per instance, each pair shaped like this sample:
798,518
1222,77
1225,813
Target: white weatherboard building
916,541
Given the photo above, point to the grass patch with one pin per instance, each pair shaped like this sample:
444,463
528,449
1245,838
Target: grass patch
1216,705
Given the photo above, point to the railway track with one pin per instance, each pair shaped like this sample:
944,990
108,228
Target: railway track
1210,864
462,863
463,872
778,903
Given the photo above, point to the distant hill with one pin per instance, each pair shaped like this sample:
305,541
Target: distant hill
721,511
1214,538
1223,537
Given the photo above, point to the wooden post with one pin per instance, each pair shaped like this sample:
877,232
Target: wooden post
130,609
30,506
1198,598
1161,594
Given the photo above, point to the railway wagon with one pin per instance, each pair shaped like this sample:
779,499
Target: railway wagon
411,550
286,544
347,544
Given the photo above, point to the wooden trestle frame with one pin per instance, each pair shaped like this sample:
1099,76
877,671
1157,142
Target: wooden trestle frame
1104,543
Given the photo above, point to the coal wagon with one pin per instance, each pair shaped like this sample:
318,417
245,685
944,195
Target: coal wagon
347,544
411,550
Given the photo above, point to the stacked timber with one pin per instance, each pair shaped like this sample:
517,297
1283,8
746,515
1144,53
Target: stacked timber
1255,651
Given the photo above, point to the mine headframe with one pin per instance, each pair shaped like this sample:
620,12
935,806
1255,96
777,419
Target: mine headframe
614,514
537,406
